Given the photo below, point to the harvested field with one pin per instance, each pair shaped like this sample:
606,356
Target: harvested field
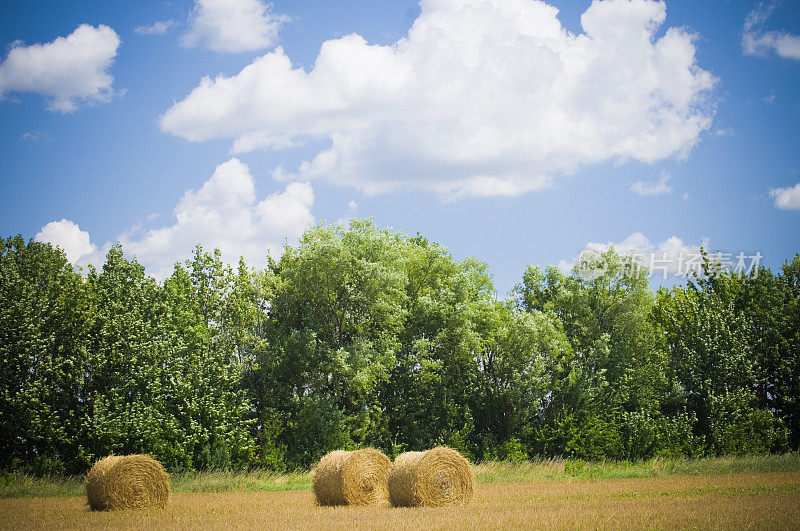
762,500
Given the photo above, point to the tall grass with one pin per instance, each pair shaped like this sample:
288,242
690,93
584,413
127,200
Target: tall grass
24,486
257,480
559,469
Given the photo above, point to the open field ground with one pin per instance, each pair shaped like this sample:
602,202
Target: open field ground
764,500
755,492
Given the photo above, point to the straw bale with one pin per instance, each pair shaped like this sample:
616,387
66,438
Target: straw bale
127,482
352,478
439,477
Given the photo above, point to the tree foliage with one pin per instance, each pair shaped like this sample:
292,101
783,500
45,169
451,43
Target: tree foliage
365,336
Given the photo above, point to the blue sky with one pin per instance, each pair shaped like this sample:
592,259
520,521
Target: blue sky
498,128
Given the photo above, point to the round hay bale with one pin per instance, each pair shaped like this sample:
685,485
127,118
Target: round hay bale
326,478
438,477
127,482
352,478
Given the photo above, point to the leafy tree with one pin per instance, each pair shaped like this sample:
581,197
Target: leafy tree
606,393
361,336
515,374
430,395
45,316
715,363
332,332
126,381
206,366
771,303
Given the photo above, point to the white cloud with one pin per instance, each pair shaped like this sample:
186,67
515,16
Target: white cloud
787,198
226,214
69,237
159,27
352,210
653,188
69,70
34,136
223,214
685,196
756,41
483,97
233,25
670,257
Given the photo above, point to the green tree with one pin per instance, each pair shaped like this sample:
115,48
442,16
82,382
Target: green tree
332,332
208,352
515,376
429,397
45,315
126,381
771,303
607,392
716,364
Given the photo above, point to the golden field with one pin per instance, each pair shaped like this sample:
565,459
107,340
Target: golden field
761,500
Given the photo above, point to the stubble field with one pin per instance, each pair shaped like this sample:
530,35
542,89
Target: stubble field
761,500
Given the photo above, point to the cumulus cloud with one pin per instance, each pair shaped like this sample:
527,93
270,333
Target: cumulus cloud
159,27
69,237
658,187
482,97
69,70
787,198
233,25
223,214
756,41
670,257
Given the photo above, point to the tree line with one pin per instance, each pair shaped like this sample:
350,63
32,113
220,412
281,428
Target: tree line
365,336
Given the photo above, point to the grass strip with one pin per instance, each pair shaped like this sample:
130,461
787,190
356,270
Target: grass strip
16,485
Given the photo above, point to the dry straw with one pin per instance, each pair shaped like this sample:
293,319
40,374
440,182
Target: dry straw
438,477
352,478
127,482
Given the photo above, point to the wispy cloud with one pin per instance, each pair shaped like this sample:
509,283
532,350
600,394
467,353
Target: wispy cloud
160,27
352,210
35,136
757,41
657,187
